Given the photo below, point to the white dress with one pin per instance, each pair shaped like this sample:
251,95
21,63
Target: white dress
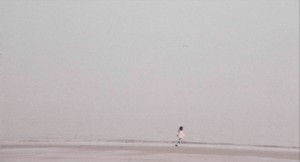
180,134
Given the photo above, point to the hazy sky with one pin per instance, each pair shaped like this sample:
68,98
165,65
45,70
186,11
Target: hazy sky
232,65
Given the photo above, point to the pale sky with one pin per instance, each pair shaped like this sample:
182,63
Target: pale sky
230,67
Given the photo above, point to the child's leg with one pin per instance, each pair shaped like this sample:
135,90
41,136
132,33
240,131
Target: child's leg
179,140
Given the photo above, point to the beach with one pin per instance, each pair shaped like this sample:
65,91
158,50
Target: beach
113,81
127,151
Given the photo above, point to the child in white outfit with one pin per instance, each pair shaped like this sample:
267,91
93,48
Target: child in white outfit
180,135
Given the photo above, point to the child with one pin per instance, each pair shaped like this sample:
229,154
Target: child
180,135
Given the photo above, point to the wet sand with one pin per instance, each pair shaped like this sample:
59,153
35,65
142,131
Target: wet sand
119,152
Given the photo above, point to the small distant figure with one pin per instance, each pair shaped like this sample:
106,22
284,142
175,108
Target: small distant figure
180,135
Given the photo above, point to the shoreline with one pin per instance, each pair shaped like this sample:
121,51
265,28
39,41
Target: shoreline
117,151
157,142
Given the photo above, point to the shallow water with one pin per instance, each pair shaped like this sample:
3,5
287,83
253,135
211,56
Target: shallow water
117,152
137,131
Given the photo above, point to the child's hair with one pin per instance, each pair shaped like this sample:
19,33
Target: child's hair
181,127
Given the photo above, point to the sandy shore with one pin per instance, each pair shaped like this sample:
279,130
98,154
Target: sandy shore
135,152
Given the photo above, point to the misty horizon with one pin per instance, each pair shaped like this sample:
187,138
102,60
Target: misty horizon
228,71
